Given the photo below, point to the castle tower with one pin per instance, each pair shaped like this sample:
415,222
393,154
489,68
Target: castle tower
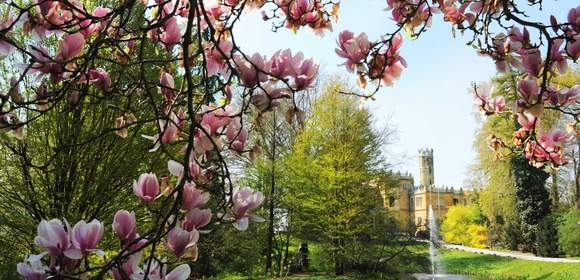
427,178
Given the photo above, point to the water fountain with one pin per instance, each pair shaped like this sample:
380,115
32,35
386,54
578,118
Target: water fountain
437,268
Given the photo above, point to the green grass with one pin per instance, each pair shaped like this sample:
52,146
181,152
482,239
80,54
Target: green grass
493,267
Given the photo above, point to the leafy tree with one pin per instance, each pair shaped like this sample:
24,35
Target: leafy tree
330,175
569,233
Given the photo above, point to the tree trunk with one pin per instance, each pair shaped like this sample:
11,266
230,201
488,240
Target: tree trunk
338,258
270,247
554,190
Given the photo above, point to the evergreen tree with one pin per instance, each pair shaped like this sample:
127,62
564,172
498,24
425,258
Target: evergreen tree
532,199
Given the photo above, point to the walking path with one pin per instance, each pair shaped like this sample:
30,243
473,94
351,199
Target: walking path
510,254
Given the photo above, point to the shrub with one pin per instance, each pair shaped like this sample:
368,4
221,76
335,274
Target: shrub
569,233
547,238
455,227
478,234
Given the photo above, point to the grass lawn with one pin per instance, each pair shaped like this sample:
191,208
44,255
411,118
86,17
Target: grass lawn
457,261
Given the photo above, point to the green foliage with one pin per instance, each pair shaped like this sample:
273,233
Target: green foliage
462,226
547,237
569,232
330,175
533,201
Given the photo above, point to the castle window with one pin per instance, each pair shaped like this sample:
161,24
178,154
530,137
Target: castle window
419,201
391,201
455,201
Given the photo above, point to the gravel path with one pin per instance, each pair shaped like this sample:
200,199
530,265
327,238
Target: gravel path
510,254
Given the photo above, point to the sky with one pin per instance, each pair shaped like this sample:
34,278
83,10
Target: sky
429,106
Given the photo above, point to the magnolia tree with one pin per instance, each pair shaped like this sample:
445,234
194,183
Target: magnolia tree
178,61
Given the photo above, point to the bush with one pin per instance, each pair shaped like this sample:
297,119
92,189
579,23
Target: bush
569,233
478,234
462,226
547,238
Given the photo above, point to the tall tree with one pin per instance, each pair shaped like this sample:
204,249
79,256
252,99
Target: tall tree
331,173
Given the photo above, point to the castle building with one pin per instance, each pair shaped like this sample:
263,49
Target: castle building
410,203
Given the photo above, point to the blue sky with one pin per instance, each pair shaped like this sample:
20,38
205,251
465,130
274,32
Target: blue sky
429,105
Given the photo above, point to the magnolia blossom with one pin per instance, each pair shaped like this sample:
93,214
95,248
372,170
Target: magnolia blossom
176,168
147,187
562,97
99,77
353,49
237,135
171,35
304,73
245,200
89,26
32,268
193,197
485,103
549,148
529,93
85,236
196,219
167,84
527,121
250,71
131,269
169,132
52,236
124,225
217,56
179,240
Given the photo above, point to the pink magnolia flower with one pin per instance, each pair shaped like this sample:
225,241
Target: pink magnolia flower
217,56
171,34
124,225
196,219
574,19
528,91
32,268
527,121
193,197
181,272
214,119
100,77
557,57
179,240
129,268
85,237
280,63
250,72
304,73
573,47
167,84
70,46
237,135
353,49
5,47
548,148
550,140
176,168
52,236
147,187
245,200
532,62
90,26
169,132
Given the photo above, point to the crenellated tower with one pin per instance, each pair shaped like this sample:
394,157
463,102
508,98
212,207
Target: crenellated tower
427,177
